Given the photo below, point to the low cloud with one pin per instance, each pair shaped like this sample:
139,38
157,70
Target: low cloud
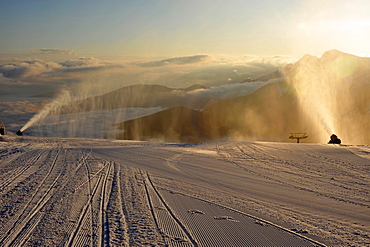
56,51
176,72
276,61
20,107
232,90
24,78
40,68
83,62
24,69
86,64
178,61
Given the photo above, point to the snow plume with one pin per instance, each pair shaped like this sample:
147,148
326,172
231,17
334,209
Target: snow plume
326,91
315,91
53,107
67,95
64,117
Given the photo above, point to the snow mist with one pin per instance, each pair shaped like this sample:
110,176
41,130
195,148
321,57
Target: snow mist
325,90
52,108
60,117
315,92
68,116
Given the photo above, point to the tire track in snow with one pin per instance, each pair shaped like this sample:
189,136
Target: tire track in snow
93,216
16,173
11,153
304,171
105,191
321,170
141,228
117,230
30,215
226,155
175,233
83,215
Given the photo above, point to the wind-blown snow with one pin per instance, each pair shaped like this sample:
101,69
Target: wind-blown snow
92,124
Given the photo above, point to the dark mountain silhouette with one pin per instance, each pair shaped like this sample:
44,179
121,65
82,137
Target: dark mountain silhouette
194,87
246,116
147,95
175,124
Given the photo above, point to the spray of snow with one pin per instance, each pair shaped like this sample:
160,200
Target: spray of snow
315,92
52,108
322,87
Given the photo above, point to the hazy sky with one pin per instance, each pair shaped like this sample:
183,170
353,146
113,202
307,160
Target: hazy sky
170,28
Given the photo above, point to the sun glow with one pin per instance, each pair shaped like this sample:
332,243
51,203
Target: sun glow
325,25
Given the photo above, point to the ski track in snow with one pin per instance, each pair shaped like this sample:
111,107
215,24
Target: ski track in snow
84,192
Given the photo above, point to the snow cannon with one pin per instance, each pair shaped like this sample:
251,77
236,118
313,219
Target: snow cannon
334,139
19,132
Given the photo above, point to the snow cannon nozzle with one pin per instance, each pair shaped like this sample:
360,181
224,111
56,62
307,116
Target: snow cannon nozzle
19,132
334,139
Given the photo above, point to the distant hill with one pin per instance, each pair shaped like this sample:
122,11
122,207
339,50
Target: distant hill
194,87
273,75
175,124
146,95
266,114
246,116
141,95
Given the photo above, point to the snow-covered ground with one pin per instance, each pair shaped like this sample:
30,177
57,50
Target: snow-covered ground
85,192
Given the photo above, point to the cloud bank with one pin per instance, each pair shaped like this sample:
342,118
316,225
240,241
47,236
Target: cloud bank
174,72
40,68
23,78
178,61
56,51
31,68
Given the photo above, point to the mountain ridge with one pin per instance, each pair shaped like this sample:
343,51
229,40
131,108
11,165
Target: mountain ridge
275,110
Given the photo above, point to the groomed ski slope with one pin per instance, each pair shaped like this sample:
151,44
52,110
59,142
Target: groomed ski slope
84,192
